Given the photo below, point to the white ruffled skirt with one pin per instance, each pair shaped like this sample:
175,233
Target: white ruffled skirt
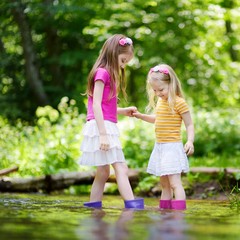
90,147
167,159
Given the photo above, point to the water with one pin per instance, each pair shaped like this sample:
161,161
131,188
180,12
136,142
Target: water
33,216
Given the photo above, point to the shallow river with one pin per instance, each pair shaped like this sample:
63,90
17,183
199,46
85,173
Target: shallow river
34,216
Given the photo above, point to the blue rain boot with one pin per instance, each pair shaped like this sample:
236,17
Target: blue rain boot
135,204
97,204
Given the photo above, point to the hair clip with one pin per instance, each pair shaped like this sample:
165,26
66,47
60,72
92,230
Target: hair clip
125,41
159,69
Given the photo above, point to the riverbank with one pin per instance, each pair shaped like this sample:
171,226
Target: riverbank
199,183
205,183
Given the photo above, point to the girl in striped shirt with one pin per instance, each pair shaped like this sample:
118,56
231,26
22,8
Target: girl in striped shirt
169,157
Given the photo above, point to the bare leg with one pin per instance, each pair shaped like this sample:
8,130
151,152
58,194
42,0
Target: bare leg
124,187
176,185
100,179
167,193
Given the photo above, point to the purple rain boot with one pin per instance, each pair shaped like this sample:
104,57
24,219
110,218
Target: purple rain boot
165,204
135,204
97,204
179,204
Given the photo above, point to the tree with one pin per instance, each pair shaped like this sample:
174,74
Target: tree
57,42
31,65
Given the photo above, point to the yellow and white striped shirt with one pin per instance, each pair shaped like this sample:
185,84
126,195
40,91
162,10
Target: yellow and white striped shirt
168,123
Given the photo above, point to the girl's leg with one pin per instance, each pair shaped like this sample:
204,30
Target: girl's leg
166,196
124,187
166,188
100,179
176,185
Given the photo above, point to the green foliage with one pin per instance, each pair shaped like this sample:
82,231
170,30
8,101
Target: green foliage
217,132
67,37
146,183
234,198
137,139
50,146
223,160
199,39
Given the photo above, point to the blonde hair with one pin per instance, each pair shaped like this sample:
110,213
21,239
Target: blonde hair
108,59
171,79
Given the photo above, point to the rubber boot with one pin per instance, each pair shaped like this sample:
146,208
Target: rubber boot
135,204
97,204
179,204
165,204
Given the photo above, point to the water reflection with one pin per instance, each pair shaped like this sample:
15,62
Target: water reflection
103,225
99,227
169,225
120,225
63,217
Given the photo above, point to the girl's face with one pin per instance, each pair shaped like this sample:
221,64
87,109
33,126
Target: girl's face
123,59
160,89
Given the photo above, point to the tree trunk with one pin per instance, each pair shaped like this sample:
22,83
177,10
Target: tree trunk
32,70
59,181
53,45
8,170
229,4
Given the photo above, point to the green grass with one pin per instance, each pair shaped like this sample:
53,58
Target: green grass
234,198
214,160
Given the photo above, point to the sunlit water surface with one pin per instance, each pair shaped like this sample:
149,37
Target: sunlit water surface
33,216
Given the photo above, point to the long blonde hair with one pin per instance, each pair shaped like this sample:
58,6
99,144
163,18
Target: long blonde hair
108,59
170,77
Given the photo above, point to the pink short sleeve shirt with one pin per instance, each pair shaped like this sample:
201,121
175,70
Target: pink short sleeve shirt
109,104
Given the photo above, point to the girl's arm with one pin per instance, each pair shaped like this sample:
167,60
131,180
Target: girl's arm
128,111
145,117
97,110
187,119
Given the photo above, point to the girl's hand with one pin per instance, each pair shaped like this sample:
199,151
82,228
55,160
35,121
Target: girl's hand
189,148
137,114
104,142
129,111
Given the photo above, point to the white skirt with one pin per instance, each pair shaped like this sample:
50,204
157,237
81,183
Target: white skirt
167,159
90,147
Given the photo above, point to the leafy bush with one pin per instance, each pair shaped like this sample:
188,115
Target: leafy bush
217,132
52,144
137,139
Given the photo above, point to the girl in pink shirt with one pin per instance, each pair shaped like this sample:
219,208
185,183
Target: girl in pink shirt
101,146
